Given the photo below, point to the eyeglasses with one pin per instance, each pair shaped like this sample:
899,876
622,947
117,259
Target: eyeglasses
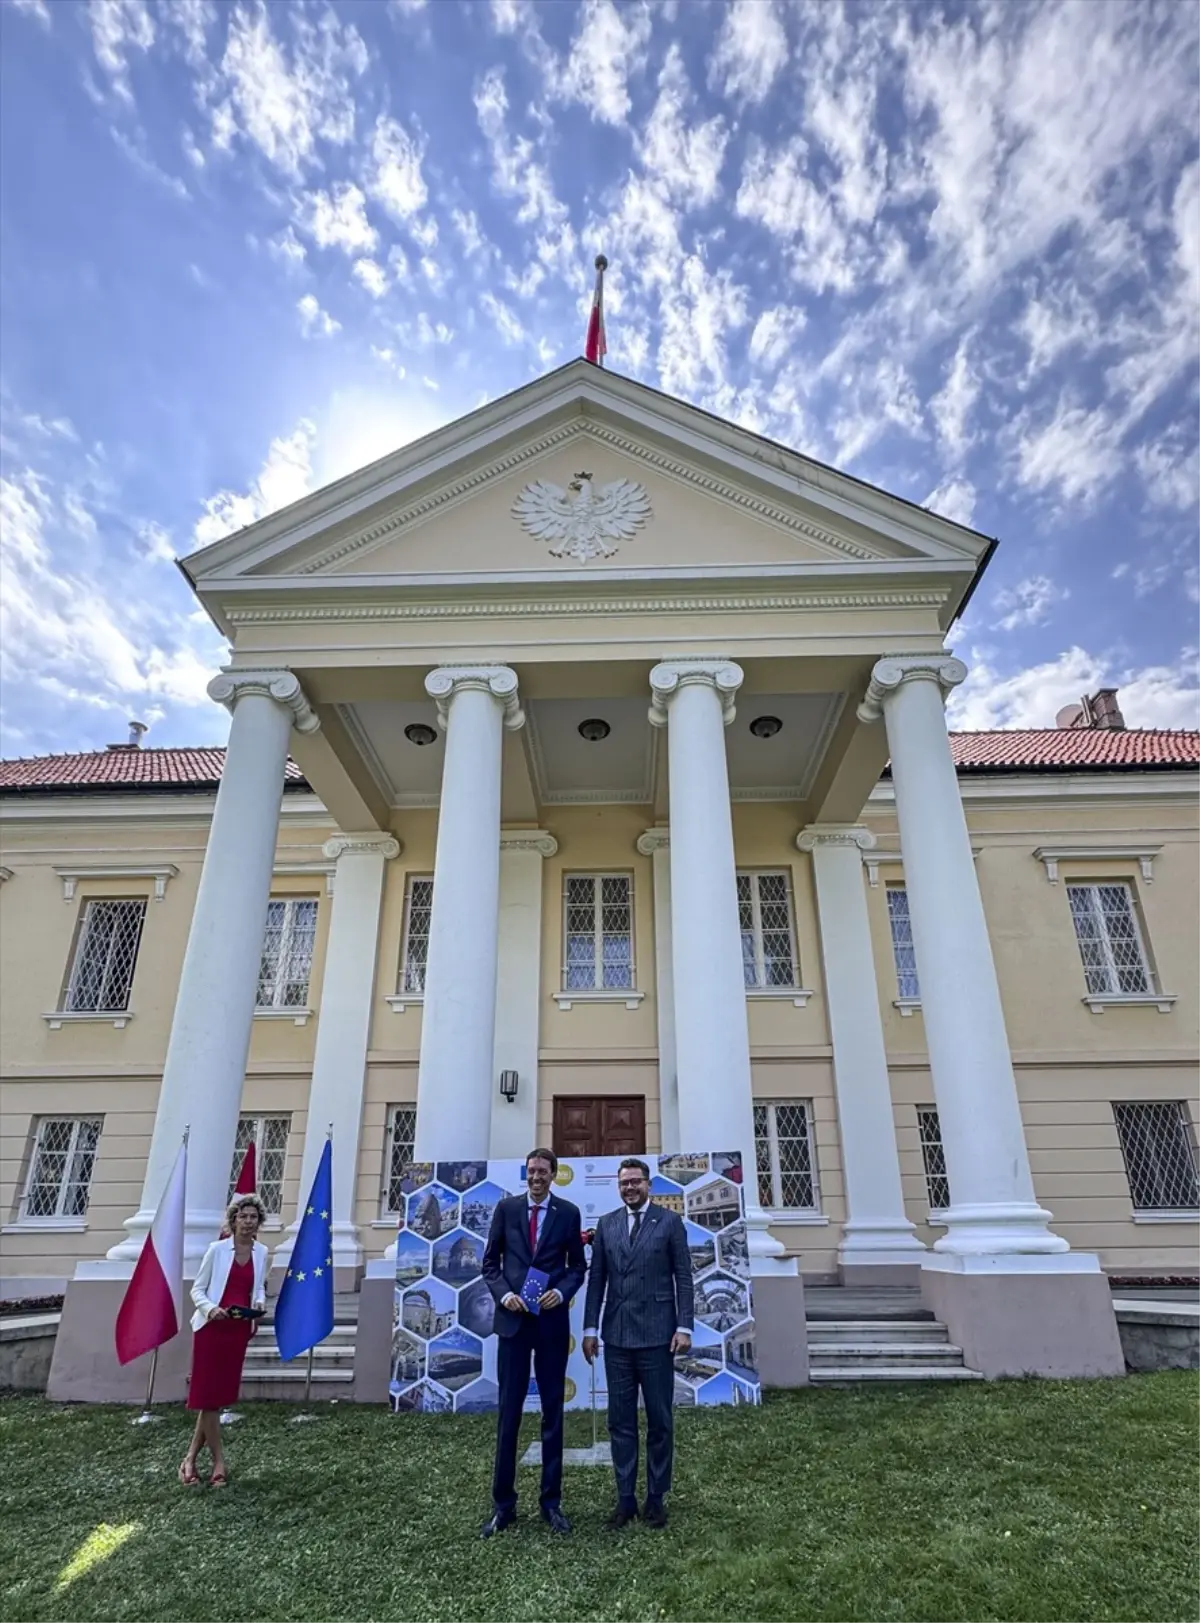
631,1183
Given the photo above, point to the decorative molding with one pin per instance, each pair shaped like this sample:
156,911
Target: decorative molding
397,1002
365,746
582,529
874,860
161,873
298,1017
293,870
1097,1002
541,607
643,795
799,995
906,1005
629,998
58,1018
385,845
835,834
1052,855
528,839
891,673
5,873
654,839
722,675
497,680
282,686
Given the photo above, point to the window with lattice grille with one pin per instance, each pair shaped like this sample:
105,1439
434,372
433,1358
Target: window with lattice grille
1110,943
902,942
286,964
768,929
60,1167
106,950
269,1135
597,932
397,1157
414,954
783,1148
937,1181
1159,1146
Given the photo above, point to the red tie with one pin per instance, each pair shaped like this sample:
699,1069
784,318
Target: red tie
533,1229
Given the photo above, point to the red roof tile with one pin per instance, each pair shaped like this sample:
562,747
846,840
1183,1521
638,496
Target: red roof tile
1046,749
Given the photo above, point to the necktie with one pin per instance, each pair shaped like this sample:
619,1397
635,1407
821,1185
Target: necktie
637,1226
533,1229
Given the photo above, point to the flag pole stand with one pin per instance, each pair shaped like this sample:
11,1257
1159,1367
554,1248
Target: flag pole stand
147,1418
300,1419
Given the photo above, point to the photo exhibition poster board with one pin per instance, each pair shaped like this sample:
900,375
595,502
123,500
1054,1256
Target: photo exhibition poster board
443,1344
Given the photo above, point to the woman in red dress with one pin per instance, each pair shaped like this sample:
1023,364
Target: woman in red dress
232,1275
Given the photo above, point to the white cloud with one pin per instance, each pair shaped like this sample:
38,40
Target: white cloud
314,321
685,160
751,49
372,276
507,322
288,249
1153,696
609,47
1170,472
395,176
1028,603
338,219
466,223
779,192
953,499
952,406
156,542
284,477
38,9
774,333
1076,451
119,27
515,170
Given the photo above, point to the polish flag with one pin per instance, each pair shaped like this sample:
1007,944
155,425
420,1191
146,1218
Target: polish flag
149,1311
247,1181
596,348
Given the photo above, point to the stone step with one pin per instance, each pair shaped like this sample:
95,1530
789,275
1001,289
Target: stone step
927,1332
861,1353
323,1358
296,1373
853,1374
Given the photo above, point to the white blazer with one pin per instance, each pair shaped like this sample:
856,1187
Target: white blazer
208,1287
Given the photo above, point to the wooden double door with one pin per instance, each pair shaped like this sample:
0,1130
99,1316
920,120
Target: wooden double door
607,1125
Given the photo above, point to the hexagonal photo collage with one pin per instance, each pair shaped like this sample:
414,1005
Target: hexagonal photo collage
443,1347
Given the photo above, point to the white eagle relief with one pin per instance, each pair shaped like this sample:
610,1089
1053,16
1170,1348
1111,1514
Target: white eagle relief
587,525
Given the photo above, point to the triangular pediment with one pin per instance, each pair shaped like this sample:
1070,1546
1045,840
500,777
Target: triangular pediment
670,489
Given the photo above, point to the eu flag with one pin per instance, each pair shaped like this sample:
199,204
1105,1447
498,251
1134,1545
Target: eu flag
304,1311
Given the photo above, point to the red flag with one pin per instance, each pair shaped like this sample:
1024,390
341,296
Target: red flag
248,1177
149,1311
596,348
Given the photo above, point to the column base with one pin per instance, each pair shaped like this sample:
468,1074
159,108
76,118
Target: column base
1048,1314
781,1329
886,1252
200,1229
373,1342
992,1229
84,1368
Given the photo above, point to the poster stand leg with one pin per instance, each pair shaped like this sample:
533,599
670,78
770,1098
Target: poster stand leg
147,1418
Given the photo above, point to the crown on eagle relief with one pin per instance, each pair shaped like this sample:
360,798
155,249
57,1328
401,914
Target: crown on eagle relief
585,520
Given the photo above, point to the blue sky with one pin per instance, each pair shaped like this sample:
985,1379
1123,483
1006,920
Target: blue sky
953,250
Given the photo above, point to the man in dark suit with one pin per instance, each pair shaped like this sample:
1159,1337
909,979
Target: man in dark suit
535,1229
642,1273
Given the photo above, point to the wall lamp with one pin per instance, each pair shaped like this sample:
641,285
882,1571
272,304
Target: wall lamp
509,1081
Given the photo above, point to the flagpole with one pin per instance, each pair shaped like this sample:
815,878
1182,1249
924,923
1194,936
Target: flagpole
300,1419
146,1418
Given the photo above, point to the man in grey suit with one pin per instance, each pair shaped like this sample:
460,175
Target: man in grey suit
642,1274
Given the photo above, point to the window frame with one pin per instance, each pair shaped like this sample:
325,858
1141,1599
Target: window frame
1187,1129
387,1213
58,1219
1150,991
289,902
598,991
403,990
905,999
761,986
928,1142
90,909
780,1212
261,1118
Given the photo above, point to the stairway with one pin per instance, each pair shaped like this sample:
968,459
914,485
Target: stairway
266,1375
881,1334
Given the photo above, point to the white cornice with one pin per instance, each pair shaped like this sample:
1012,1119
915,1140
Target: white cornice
72,873
1052,789
149,806
1051,855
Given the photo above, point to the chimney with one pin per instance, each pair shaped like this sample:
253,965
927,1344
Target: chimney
137,729
1106,713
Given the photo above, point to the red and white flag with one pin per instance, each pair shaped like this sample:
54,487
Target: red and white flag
149,1311
596,348
247,1180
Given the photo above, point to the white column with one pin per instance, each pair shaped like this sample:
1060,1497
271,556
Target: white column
455,1080
214,1008
656,844
339,1076
693,699
993,1207
519,990
876,1231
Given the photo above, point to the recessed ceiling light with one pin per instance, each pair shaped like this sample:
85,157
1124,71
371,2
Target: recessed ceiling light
594,730
419,733
765,726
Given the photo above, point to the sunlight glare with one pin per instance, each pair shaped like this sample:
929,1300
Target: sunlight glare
102,1542
362,425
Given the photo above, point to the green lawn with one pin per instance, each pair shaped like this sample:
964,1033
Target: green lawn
1021,1500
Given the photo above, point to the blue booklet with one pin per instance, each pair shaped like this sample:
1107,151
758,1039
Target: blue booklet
535,1286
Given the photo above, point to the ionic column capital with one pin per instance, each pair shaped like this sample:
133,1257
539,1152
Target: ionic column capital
497,680
890,674
282,686
654,839
528,839
722,675
835,834
386,845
